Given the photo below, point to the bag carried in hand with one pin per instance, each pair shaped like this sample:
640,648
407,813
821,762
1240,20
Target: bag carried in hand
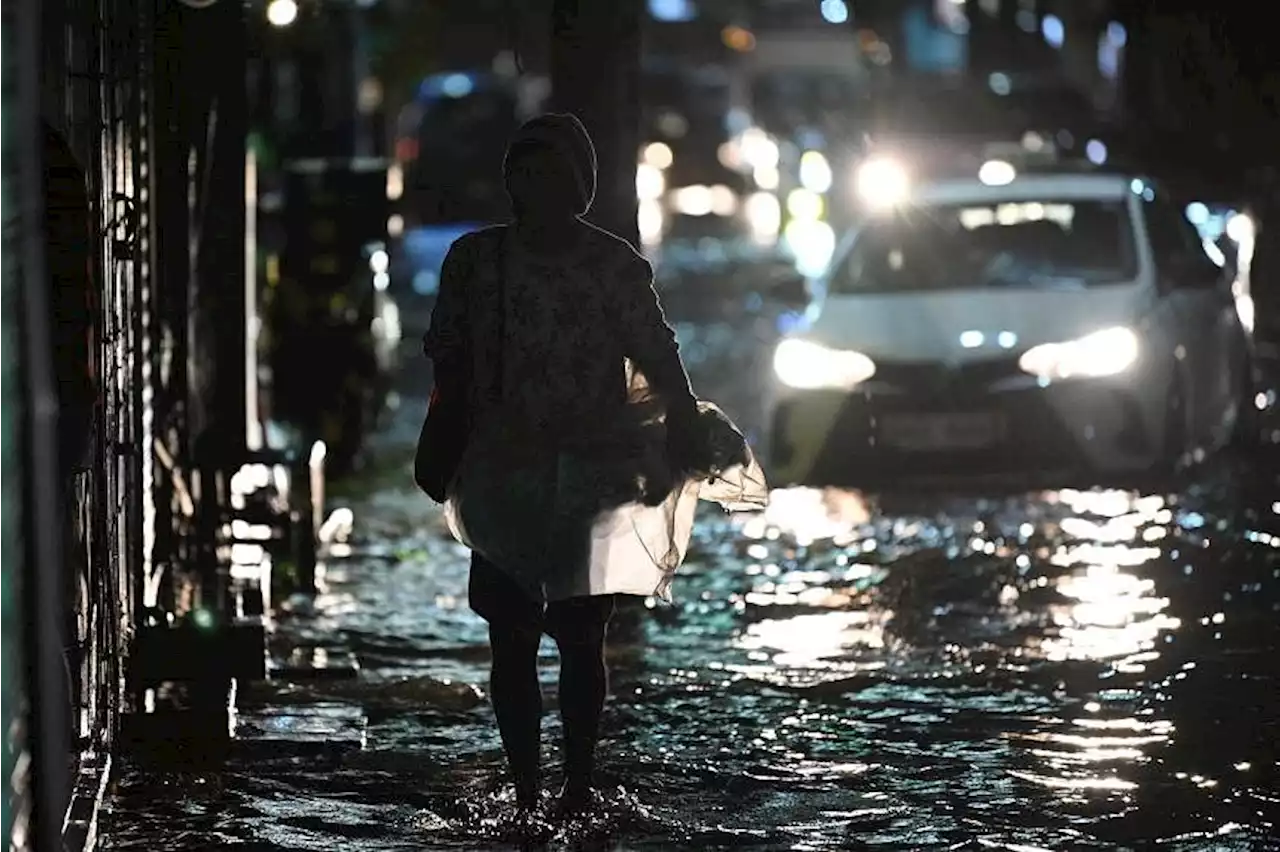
445,432
441,443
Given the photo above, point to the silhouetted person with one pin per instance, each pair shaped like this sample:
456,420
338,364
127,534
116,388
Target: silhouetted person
534,323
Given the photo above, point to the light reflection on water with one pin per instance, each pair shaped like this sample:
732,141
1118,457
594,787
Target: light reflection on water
1065,670
814,641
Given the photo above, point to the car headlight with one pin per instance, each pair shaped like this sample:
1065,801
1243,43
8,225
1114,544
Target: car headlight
809,366
882,183
1103,353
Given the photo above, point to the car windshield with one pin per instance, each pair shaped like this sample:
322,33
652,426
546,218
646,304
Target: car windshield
692,252
1026,243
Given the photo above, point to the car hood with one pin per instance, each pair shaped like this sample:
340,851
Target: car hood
966,326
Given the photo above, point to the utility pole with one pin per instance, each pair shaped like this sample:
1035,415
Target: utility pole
993,37
217,307
40,782
1139,91
595,74
360,66
595,71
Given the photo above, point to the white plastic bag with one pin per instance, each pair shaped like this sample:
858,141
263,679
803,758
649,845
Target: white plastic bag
632,549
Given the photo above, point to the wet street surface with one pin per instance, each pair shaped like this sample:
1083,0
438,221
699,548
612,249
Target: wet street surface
1051,671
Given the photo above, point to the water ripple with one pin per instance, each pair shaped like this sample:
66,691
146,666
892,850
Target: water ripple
1067,669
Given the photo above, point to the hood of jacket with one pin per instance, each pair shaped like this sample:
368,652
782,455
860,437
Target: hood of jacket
566,136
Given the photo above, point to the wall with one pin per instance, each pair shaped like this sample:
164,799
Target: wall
10,471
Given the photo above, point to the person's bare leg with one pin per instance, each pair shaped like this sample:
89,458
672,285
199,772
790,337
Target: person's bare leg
517,704
584,686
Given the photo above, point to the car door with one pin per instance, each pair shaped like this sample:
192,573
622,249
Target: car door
1208,328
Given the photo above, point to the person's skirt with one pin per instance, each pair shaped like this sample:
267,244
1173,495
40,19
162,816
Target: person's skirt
611,518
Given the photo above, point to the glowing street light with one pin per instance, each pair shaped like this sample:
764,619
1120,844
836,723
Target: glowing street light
658,155
815,171
282,13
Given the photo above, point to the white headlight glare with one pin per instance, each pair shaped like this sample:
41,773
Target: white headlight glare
808,366
882,183
1103,353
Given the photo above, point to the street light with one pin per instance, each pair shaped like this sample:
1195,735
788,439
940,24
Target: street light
282,13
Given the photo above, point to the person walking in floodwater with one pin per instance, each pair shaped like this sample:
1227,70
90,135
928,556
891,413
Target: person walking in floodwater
545,327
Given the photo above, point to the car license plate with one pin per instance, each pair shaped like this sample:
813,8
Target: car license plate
942,431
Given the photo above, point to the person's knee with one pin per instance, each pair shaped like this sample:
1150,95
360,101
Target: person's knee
582,646
581,651
578,638
514,642
581,622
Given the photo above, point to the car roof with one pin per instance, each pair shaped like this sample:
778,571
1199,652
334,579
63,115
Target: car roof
1025,187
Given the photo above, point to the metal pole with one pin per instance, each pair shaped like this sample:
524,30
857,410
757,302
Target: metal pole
595,70
219,265
360,74
982,40
47,728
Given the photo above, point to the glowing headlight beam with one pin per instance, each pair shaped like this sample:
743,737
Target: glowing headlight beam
809,366
1104,353
997,173
282,13
882,183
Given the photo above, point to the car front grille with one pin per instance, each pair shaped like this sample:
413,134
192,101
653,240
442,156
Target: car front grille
943,381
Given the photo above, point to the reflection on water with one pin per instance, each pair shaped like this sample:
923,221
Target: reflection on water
1067,670
813,641
1112,614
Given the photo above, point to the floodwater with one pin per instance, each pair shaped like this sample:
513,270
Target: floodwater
1052,671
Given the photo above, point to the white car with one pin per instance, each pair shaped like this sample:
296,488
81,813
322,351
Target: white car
1014,324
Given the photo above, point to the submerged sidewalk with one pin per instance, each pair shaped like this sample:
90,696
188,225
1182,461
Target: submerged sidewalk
372,729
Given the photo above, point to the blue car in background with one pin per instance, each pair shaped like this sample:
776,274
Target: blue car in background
420,255
450,140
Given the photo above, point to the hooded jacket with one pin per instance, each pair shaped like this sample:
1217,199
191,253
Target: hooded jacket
565,135
550,355
565,484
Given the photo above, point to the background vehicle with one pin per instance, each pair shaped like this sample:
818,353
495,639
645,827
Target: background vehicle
1014,323
450,143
